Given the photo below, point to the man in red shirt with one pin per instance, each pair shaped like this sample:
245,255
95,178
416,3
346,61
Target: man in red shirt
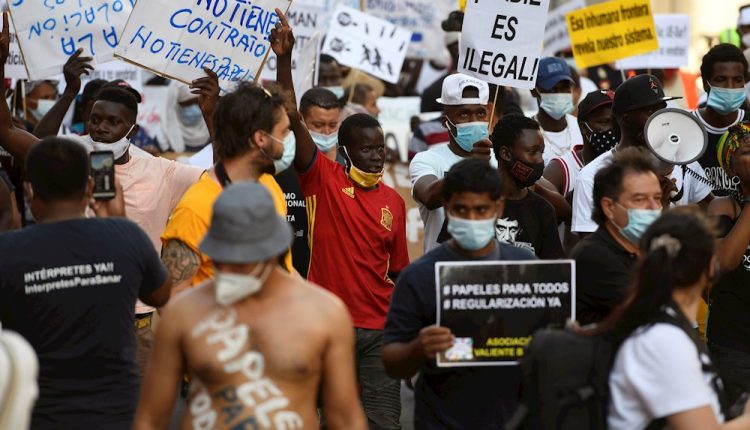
357,234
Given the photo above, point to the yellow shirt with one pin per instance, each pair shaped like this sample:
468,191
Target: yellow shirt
190,219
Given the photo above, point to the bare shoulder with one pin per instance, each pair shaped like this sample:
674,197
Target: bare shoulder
325,302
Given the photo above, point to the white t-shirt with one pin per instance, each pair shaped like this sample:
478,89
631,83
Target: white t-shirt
657,373
559,143
583,198
436,161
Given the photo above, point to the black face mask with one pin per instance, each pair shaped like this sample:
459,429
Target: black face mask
601,142
526,174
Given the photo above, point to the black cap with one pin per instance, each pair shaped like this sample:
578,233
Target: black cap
638,92
593,100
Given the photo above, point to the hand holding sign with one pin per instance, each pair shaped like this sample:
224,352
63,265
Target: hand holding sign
73,69
207,90
433,340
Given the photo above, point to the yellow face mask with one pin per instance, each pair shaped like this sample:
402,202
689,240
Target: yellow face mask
364,179
360,177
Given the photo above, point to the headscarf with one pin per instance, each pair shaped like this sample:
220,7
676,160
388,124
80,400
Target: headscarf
730,141
173,133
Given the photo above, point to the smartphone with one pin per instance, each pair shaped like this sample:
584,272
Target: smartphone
103,171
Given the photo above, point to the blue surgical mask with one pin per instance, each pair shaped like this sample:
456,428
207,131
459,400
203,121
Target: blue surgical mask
337,90
467,134
471,235
325,142
725,100
191,115
42,107
557,105
639,221
287,157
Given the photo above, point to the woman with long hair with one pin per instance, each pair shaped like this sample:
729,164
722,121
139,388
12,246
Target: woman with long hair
662,375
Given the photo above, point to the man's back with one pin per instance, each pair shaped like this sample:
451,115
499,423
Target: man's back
259,361
69,288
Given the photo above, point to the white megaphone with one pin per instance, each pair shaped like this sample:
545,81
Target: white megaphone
675,136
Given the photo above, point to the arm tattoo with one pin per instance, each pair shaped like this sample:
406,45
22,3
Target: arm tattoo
181,261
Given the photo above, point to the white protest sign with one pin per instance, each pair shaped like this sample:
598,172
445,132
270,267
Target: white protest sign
305,21
50,31
367,43
673,34
395,120
178,38
556,37
110,71
421,17
149,111
15,68
501,42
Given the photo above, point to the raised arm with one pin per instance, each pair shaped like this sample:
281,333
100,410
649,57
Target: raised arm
282,43
14,140
731,247
76,66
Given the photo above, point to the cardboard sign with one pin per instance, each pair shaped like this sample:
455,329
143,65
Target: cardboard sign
421,17
673,33
15,68
110,71
610,31
493,307
556,37
50,31
178,38
503,41
367,43
305,21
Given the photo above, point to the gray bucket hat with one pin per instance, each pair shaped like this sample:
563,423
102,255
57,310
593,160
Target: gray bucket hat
245,227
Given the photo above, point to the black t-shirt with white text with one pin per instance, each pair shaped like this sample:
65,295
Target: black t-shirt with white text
529,223
296,215
69,288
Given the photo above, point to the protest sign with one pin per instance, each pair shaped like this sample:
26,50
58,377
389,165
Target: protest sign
305,21
609,31
149,111
503,41
493,307
395,120
177,39
421,17
673,34
15,68
366,43
109,71
51,31
556,37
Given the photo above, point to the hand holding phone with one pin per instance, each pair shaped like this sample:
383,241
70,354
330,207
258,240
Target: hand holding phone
102,168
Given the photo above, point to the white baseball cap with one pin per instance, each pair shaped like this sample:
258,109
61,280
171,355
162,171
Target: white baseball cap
453,89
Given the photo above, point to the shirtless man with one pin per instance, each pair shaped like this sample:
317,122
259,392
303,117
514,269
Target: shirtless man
255,341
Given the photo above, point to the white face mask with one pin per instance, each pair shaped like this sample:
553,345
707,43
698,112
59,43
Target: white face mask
557,105
42,107
119,148
233,287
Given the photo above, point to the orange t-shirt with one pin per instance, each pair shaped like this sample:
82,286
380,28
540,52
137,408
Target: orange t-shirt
191,218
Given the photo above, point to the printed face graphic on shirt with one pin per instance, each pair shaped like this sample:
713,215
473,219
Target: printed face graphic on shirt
506,230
